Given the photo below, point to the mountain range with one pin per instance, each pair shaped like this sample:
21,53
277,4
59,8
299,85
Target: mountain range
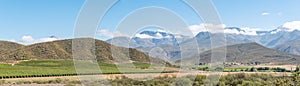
276,45
62,49
282,39
249,53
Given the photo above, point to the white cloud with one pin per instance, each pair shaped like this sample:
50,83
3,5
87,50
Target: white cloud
159,30
204,27
265,14
220,29
245,31
105,33
195,29
157,36
46,40
143,36
28,40
291,26
276,31
108,34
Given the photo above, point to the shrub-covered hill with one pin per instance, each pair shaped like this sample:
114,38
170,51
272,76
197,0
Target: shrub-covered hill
62,49
6,47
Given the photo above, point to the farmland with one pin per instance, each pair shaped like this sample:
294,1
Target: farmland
62,72
239,79
47,68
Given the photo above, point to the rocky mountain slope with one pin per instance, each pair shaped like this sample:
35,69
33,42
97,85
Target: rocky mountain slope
250,53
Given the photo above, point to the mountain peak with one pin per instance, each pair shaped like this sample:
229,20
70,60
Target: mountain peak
158,34
153,34
235,28
203,35
53,37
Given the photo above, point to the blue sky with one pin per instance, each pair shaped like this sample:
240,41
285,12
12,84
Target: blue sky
247,13
43,18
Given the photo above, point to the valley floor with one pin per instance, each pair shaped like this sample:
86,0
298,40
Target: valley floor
62,72
113,78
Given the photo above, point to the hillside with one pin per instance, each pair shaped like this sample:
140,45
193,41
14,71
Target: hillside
6,47
62,49
252,52
290,47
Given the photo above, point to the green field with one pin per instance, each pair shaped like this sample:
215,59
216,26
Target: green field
47,68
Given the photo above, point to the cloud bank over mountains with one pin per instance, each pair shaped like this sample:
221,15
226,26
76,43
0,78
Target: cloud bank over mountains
109,34
195,29
28,40
204,27
291,26
288,26
212,28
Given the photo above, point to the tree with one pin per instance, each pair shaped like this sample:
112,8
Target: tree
252,69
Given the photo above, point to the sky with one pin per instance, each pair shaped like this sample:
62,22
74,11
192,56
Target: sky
33,21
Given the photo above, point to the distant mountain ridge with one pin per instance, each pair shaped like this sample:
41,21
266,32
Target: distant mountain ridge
234,35
146,40
149,39
250,53
173,45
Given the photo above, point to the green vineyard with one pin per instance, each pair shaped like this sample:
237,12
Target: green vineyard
54,68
